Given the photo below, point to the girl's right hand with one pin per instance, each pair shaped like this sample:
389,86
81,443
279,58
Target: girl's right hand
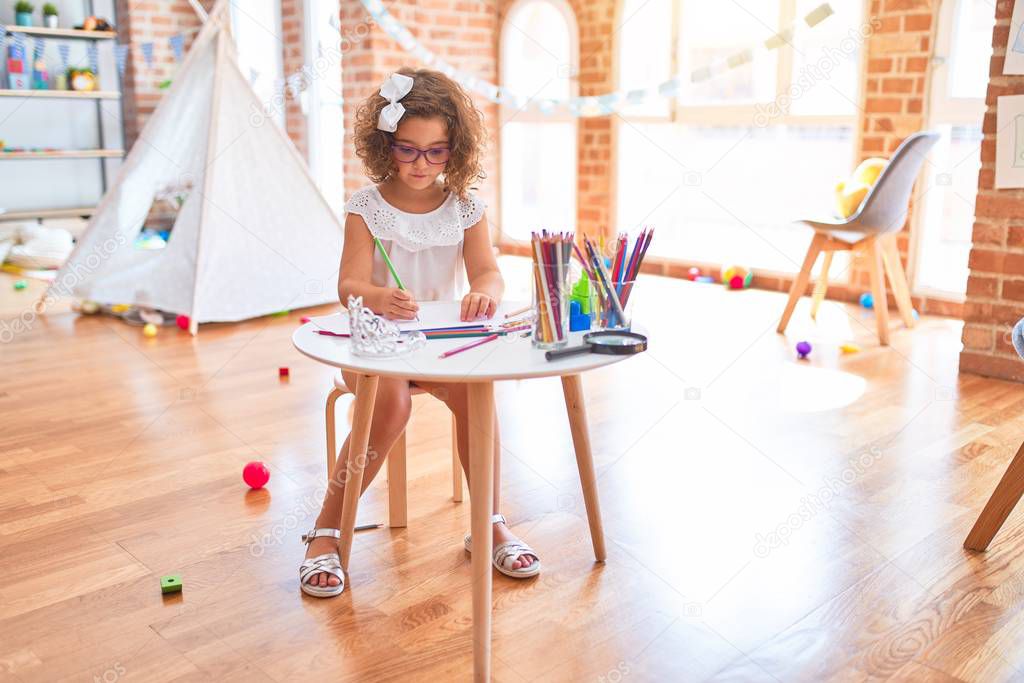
399,304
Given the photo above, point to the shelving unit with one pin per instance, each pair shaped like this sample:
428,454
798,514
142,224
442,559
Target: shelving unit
40,98
63,94
65,154
72,33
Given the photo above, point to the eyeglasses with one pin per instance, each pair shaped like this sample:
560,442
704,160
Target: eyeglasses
407,155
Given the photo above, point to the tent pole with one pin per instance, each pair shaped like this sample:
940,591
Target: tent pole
200,12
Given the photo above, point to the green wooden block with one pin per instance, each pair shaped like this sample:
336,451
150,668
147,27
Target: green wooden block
170,583
20,284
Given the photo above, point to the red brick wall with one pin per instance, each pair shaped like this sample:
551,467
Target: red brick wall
150,21
995,288
464,32
293,38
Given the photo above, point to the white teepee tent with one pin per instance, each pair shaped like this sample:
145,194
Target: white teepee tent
254,235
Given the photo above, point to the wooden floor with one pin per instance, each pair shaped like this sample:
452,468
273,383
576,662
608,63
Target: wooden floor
767,519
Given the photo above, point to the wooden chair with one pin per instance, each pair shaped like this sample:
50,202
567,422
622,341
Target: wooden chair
1009,489
397,501
872,229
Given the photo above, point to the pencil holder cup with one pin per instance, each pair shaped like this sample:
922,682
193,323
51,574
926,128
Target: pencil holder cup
608,316
550,306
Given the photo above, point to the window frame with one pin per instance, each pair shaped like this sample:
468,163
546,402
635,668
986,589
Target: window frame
742,114
530,114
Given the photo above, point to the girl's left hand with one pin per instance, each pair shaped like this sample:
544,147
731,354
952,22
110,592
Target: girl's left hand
476,304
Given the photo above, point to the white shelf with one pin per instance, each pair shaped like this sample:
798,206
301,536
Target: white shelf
63,94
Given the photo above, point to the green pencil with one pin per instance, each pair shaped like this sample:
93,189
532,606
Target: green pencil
387,260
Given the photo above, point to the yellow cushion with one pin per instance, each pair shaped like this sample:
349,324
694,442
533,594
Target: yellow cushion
850,193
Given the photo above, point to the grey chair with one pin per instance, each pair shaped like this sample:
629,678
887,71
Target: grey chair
873,229
1009,490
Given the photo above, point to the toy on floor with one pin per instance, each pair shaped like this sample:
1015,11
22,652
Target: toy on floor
850,193
803,349
149,330
849,348
20,285
705,279
867,300
577,321
90,307
170,583
182,322
256,474
737,277
693,273
282,373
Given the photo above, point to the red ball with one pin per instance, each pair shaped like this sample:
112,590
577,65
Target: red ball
693,273
182,321
736,282
256,474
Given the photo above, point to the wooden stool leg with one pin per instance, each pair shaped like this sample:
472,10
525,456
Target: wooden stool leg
821,286
481,500
456,465
398,508
572,388
800,282
897,278
359,440
881,307
332,443
999,506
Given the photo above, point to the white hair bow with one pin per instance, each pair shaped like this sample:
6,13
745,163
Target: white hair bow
394,88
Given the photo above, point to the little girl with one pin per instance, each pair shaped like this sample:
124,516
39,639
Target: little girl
421,141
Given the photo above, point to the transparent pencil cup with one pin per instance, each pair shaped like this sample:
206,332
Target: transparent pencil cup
608,316
550,306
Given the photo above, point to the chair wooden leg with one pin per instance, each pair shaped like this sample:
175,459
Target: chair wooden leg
332,443
800,282
359,439
456,465
572,388
999,506
897,279
881,307
398,505
821,286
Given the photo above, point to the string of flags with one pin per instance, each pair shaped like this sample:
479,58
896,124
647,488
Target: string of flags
121,51
599,105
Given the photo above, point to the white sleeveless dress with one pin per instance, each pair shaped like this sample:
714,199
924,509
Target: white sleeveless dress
425,248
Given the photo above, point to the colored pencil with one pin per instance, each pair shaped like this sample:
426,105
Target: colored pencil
475,344
518,311
387,262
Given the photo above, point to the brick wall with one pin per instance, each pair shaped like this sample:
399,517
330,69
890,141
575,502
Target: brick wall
293,40
995,287
151,21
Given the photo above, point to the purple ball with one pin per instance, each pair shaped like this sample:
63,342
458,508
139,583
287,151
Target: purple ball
803,348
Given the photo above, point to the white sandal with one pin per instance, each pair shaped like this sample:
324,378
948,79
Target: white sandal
505,554
328,563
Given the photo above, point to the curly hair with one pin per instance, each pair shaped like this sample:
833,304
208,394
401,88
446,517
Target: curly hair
432,94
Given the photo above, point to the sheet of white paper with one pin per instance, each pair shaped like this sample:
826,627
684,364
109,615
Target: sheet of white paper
1010,141
432,314
1013,64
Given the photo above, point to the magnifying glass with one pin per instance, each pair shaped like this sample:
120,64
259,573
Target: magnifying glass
607,342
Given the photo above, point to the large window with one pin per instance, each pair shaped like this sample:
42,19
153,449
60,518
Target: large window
538,150
723,168
949,184
321,101
256,25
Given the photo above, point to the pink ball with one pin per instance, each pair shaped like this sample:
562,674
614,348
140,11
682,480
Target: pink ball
256,474
182,321
693,273
736,282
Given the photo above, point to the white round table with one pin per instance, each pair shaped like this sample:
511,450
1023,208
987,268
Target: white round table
512,357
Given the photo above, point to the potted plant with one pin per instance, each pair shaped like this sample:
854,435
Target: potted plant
50,15
23,13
